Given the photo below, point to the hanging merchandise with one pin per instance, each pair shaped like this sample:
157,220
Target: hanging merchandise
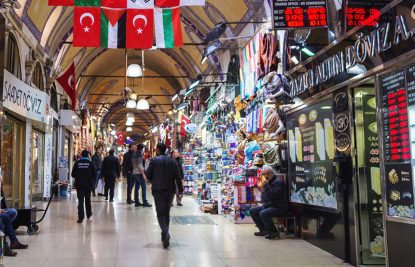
272,155
275,85
233,70
267,57
273,125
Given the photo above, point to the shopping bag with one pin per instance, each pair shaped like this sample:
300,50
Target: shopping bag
100,187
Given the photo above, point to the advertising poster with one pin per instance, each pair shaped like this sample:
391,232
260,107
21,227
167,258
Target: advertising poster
311,155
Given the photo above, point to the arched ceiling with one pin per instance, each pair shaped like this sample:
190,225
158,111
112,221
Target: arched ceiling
52,27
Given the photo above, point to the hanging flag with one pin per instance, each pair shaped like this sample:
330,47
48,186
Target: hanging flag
184,120
192,2
60,2
176,3
120,138
140,28
87,2
68,82
114,3
86,27
140,4
113,25
168,27
167,3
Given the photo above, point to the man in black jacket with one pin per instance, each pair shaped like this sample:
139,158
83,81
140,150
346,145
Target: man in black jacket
163,174
84,173
127,164
275,203
97,160
110,171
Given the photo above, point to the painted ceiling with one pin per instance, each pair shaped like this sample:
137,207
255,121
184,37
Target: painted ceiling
100,71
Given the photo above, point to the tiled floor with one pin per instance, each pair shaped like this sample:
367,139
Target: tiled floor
123,236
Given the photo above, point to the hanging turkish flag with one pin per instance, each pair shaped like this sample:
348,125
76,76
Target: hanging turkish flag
60,2
120,136
114,3
68,82
140,28
184,121
86,27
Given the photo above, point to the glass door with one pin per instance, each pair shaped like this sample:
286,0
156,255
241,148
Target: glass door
37,165
369,195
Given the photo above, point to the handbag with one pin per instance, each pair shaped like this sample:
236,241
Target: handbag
272,156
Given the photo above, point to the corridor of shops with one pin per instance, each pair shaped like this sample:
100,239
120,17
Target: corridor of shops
122,235
286,127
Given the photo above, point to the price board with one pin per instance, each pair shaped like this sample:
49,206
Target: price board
289,14
365,13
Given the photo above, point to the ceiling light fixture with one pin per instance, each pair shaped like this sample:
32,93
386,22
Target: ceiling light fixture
307,51
154,130
131,104
143,104
129,129
175,97
134,71
170,112
182,106
207,51
129,123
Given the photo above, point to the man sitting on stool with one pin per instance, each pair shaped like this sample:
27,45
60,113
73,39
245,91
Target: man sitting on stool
275,203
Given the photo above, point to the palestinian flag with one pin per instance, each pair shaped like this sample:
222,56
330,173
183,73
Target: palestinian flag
168,27
113,28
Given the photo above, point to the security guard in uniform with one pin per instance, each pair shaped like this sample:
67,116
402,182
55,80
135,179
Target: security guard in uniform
84,173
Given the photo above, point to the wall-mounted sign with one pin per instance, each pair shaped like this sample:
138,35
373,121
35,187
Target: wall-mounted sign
299,14
365,13
191,128
23,99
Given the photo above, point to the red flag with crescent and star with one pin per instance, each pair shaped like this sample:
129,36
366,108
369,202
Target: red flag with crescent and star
60,2
86,27
140,28
68,82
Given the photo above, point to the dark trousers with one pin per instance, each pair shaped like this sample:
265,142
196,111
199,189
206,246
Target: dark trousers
84,198
163,200
110,187
96,181
263,218
140,182
6,220
130,185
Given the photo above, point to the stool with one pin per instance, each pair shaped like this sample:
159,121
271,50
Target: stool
288,217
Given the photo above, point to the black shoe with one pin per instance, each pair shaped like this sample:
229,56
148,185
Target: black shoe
89,217
172,205
180,204
106,198
80,221
18,245
9,253
260,233
129,202
272,236
166,241
111,200
94,195
101,195
147,205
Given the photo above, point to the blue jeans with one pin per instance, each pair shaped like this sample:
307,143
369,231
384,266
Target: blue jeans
7,223
263,218
140,182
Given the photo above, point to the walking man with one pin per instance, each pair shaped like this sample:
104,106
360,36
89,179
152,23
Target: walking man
163,173
84,173
110,171
139,178
97,160
127,164
175,154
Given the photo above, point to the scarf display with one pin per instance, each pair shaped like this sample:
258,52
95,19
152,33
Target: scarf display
271,123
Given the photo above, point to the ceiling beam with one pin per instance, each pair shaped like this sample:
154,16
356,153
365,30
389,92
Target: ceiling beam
146,76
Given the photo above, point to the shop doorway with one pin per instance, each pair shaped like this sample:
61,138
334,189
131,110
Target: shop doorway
37,174
12,162
368,179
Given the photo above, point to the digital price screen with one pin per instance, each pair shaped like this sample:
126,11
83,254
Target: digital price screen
364,12
289,14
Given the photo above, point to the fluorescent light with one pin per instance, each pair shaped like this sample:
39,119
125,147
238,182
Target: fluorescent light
207,51
129,129
326,107
134,71
295,60
307,51
175,97
143,104
193,85
182,106
131,104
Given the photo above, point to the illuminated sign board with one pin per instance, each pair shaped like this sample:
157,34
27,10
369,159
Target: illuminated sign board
288,14
365,13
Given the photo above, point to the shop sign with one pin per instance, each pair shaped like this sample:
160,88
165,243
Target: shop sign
23,99
191,128
48,166
366,47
